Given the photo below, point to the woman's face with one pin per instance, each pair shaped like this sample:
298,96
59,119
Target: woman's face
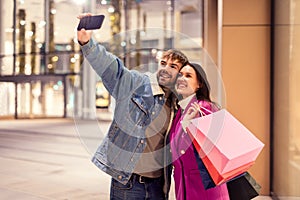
187,82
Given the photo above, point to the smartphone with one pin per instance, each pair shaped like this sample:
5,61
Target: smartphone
91,22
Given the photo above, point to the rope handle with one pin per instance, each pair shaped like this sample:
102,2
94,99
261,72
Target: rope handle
203,113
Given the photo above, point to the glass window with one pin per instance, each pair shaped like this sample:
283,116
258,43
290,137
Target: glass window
41,36
7,96
6,37
29,36
64,51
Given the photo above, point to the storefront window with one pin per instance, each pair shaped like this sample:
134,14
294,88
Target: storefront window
40,41
7,90
7,96
29,36
38,44
6,37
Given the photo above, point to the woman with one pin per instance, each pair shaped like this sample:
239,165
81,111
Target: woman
193,88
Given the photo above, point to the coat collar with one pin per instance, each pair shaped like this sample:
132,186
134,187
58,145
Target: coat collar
156,89
185,102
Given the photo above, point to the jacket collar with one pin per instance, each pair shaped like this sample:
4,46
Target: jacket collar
156,89
185,102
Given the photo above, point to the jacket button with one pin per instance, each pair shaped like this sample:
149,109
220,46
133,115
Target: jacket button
182,151
120,177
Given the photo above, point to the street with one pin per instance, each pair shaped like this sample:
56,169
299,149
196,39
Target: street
47,159
50,159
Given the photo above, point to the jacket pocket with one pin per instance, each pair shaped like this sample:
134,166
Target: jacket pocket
120,186
138,111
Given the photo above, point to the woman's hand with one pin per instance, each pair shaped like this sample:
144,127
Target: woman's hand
193,111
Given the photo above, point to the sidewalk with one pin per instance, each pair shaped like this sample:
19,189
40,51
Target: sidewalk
50,159
47,159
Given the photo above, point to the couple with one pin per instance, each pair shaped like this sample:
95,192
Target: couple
136,150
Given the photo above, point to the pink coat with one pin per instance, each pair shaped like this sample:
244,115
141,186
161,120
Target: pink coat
188,183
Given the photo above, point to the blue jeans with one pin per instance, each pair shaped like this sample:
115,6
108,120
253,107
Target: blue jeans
138,188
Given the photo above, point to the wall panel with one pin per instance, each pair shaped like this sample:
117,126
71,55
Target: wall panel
246,73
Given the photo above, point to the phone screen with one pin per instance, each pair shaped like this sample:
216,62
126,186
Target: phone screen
91,22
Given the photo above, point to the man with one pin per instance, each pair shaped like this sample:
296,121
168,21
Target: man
134,151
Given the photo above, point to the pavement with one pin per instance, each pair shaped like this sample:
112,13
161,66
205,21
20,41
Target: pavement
43,159
50,159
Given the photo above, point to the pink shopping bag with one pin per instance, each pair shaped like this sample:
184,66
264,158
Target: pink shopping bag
224,143
216,177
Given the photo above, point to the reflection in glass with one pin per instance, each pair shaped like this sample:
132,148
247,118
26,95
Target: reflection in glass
7,95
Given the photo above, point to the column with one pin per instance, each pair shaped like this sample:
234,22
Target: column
88,81
2,30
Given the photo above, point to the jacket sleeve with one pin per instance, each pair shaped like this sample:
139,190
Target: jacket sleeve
118,80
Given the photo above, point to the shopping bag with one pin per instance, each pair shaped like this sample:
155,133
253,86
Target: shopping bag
214,175
227,148
244,187
206,178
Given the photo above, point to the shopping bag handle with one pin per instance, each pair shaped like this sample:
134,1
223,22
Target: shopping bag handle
203,113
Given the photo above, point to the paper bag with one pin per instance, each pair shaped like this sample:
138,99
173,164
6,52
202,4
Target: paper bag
244,187
226,146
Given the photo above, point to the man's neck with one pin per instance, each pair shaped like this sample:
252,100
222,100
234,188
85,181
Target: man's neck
167,91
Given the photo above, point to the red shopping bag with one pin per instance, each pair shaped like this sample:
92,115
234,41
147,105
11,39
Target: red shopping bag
226,146
219,178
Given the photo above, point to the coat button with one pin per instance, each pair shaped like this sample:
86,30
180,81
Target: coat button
120,177
182,151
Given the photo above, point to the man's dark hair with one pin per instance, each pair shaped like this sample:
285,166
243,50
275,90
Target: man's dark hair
175,54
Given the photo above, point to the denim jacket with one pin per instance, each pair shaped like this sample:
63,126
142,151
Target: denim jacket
139,99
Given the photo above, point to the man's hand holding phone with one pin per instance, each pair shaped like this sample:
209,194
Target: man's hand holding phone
87,23
90,22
